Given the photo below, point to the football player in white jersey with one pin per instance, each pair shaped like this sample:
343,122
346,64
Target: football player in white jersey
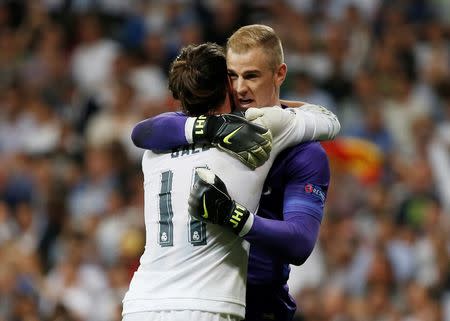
191,270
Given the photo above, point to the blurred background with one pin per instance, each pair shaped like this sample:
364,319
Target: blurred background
75,75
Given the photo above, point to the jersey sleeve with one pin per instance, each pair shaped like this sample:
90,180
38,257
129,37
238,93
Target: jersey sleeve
162,132
291,126
293,238
319,122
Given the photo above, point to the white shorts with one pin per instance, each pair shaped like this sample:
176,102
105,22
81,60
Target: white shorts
183,315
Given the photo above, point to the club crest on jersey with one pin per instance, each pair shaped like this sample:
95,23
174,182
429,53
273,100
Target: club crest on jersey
196,236
315,190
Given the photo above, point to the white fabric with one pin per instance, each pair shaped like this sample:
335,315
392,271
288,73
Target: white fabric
314,122
188,128
320,123
247,226
185,315
209,277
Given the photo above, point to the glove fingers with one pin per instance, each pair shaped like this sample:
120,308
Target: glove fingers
206,175
265,141
195,198
253,113
194,206
267,136
262,152
260,155
203,182
240,156
253,158
267,147
260,129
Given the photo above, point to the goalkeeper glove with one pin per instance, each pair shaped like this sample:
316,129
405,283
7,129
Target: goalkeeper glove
210,202
250,143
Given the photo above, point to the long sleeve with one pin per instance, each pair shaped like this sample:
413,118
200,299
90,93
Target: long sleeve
306,123
319,122
292,238
162,132
292,126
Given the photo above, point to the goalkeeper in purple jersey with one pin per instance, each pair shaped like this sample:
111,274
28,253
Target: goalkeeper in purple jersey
286,226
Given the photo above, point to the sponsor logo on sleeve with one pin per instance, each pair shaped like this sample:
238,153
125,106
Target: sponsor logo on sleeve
315,190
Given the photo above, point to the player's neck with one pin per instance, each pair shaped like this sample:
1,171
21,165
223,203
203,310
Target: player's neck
225,108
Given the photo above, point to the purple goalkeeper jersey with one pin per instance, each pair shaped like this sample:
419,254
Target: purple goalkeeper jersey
287,223
303,171
285,229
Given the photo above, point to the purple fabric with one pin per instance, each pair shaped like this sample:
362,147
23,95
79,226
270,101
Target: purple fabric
289,215
162,132
286,229
292,240
269,303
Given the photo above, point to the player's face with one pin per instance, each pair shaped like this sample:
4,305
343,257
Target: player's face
255,83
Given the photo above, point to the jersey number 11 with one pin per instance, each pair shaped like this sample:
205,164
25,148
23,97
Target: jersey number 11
196,228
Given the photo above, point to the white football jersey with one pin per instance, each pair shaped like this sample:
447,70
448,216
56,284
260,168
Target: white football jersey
188,264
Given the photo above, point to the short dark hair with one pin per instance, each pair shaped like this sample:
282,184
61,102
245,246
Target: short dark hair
198,78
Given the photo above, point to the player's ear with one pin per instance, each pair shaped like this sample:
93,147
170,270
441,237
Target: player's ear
280,74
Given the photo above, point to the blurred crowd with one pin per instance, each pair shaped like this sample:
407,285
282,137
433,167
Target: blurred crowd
75,75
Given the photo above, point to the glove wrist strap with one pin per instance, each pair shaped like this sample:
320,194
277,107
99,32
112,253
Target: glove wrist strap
238,218
199,131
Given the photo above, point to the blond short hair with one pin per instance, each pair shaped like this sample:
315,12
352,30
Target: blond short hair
257,36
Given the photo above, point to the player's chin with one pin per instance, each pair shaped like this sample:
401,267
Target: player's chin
247,104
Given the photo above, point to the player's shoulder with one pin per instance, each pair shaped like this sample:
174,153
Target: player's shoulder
310,146
148,154
306,151
306,159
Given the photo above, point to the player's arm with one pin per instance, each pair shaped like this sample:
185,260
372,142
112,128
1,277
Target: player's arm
152,133
248,142
293,238
173,130
320,123
292,126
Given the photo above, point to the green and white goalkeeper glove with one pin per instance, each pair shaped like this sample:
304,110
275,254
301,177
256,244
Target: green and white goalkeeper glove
250,143
210,202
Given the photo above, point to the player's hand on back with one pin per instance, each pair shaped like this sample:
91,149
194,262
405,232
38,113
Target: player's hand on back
210,202
246,141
